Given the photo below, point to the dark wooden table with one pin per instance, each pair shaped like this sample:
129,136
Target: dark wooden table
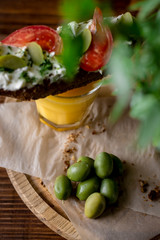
16,220
15,14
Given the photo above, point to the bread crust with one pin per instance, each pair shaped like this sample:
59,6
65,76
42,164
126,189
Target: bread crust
82,78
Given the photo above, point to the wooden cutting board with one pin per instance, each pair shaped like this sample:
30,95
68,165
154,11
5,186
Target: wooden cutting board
37,198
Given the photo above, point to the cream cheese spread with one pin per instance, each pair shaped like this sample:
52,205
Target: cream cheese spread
32,74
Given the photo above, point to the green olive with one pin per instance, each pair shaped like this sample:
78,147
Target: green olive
36,52
12,62
87,187
94,205
87,38
109,189
103,165
88,160
78,171
117,166
62,187
127,18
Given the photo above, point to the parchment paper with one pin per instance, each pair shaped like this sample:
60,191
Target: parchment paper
28,146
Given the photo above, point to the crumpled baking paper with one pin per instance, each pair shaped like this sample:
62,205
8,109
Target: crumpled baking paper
29,146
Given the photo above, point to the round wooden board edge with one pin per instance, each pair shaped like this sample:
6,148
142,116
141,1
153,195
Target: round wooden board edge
40,208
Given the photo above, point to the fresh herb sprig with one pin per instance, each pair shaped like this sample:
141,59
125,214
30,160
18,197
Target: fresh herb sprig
45,66
26,77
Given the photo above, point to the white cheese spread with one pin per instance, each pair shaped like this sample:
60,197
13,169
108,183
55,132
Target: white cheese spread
30,75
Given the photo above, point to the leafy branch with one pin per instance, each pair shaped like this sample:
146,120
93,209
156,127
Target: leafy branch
135,70
134,64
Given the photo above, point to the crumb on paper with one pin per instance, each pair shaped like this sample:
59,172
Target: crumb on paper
99,128
73,158
67,163
66,168
154,194
94,132
143,186
73,137
70,149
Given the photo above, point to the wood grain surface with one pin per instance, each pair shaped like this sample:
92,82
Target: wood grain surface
15,14
43,205
16,220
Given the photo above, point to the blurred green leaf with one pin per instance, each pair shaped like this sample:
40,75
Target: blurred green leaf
72,51
149,129
73,43
135,71
145,7
106,8
134,65
146,108
141,105
78,10
121,68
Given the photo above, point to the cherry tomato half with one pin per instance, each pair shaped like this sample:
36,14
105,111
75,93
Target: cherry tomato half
45,36
100,49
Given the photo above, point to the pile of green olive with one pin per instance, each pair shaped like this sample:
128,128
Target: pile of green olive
97,182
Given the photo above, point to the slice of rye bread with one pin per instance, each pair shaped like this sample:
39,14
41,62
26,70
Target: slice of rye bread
82,78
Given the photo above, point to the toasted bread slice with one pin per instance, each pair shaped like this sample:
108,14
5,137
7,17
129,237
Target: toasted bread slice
82,78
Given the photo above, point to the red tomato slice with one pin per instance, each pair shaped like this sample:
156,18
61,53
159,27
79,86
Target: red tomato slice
45,36
100,49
